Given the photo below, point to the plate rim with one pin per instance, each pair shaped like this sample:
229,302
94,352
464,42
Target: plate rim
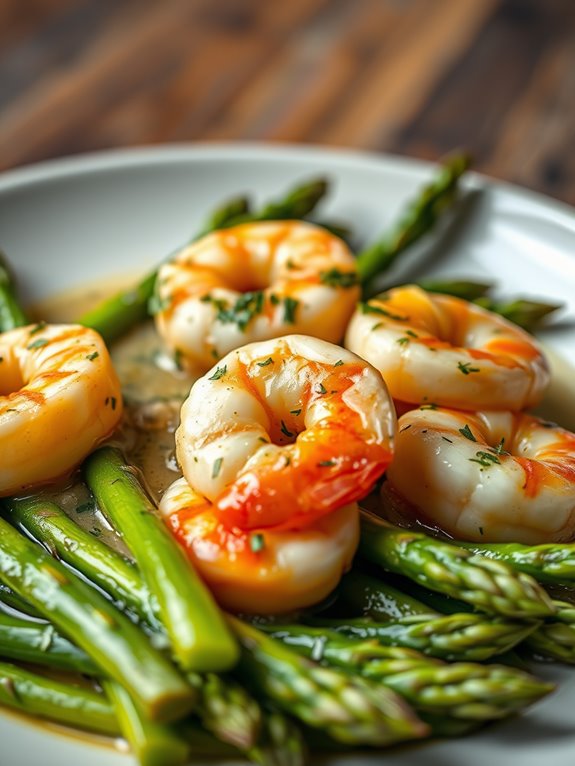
105,160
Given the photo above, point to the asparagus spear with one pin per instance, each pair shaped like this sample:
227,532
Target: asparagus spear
46,698
372,597
105,634
555,639
46,522
468,291
225,708
461,690
11,313
41,644
419,217
152,743
462,637
351,710
199,637
548,563
116,315
488,585
281,742
523,312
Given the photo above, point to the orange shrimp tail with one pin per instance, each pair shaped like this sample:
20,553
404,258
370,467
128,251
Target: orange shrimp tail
326,469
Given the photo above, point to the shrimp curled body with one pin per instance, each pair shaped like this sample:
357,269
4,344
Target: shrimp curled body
267,571
488,476
282,432
254,282
440,349
59,398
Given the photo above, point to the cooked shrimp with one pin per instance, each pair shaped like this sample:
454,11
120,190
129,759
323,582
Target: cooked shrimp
59,397
447,351
282,432
488,476
254,282
262,571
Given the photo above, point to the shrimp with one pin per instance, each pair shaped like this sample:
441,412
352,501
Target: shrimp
489,476
59,397
281,432
447,351
262,571
254,282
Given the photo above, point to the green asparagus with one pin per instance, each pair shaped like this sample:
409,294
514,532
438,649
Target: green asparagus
351,710
461,690
41,644
281,742
462,637
488,585
555,639
120,649
200,639
46,522
152,743
419,218
11,312
63,703
523,312
552,563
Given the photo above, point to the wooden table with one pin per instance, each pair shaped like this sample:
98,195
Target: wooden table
415,77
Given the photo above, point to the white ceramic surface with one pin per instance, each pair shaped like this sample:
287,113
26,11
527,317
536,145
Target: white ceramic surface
65,222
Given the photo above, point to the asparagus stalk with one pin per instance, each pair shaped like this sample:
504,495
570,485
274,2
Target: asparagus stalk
41,644
116,315
281,742
351,710
370,596
523,312
419,217
200,639
152,743
46,522
63,703
555,639
468,291
11,313
552,563
225,708
488,585
462,690
119,648
460,637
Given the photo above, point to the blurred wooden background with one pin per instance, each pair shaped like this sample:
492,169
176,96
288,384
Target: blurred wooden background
414,77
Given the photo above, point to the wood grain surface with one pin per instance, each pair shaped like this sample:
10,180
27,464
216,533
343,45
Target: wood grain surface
414,77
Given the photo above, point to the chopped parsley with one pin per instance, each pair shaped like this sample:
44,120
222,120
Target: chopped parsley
37,328
285,430
368,308
295,412
38,343
402,341
217,467
257,542
466,368
485,459
246,307
110,400
321,389
219,373
336,278
466,431
290,306
269,360
338,363
92,356
327,463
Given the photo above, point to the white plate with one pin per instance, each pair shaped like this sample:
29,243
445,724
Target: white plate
63,223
